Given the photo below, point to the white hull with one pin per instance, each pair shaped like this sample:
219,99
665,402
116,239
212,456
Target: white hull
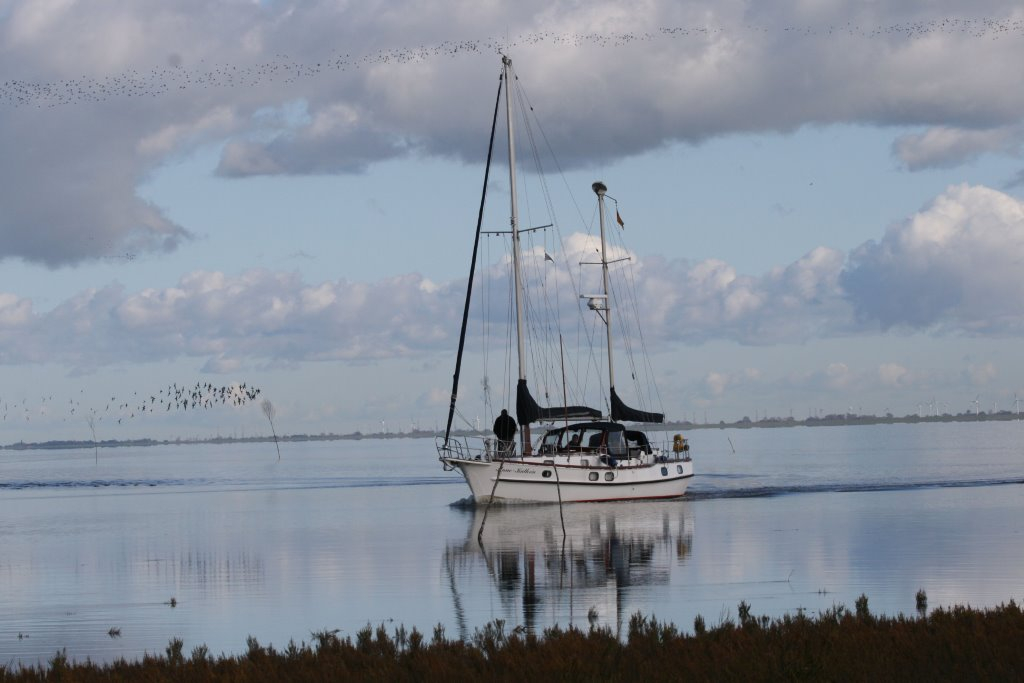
524,480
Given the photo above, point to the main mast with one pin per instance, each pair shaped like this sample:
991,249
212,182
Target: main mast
516,276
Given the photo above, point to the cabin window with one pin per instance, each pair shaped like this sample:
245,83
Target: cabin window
546,474
593,476
638,441
608,476
664,471
592,439
679,469
617,444
549,462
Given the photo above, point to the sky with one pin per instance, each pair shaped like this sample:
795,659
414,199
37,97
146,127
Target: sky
824,203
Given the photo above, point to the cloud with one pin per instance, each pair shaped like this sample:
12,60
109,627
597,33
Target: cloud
221,365
93,100
981,374
256,315
955,266
717,383
945,147
338,139
893,375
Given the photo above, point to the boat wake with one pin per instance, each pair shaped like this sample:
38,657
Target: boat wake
222,484
98,484
696,493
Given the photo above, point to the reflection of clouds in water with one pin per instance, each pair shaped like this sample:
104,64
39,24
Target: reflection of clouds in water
818,550
607,549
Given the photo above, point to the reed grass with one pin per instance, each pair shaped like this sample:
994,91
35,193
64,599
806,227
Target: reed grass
957,643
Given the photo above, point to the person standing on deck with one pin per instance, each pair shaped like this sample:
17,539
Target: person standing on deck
505,430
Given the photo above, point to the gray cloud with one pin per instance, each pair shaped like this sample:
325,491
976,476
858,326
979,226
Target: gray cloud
945,147
335,141
92,100
70,192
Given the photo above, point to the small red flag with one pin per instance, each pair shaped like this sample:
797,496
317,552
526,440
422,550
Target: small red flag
618,219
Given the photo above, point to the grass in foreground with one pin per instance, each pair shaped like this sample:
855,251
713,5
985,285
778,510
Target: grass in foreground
949,644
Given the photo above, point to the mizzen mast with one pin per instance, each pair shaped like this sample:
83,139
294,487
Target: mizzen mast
600,189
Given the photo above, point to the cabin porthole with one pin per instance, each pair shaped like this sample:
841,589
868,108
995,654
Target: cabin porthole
593,476
664,471
679,469
546,474
608,476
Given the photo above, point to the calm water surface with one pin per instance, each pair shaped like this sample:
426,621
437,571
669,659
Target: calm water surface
341,534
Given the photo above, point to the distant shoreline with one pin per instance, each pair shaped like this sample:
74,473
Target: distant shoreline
745,423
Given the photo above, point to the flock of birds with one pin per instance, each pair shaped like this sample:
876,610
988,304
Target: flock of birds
281,68
201,396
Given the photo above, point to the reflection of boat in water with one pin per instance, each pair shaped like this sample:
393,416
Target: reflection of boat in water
578,461
543,578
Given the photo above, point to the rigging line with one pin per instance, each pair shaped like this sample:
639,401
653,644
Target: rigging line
558,317
463,418
539,343
469,286
631,298
583,314
650,376
627,343
535,153
576,285
521,93
595,363
487,274
626,295
551,311
645,366
533,331
587,353
534,310
552,308
551,152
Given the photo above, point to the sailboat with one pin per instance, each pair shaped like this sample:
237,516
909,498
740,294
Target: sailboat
584,455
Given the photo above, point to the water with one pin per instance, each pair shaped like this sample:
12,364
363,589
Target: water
341,534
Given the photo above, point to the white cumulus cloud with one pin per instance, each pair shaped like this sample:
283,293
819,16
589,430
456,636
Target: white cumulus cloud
953,266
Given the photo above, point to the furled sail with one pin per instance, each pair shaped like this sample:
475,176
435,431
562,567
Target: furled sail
622,412
527,410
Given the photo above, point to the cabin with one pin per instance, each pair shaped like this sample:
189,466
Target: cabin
603,438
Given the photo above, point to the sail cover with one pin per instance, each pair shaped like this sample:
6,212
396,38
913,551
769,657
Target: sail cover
622,412
528,411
